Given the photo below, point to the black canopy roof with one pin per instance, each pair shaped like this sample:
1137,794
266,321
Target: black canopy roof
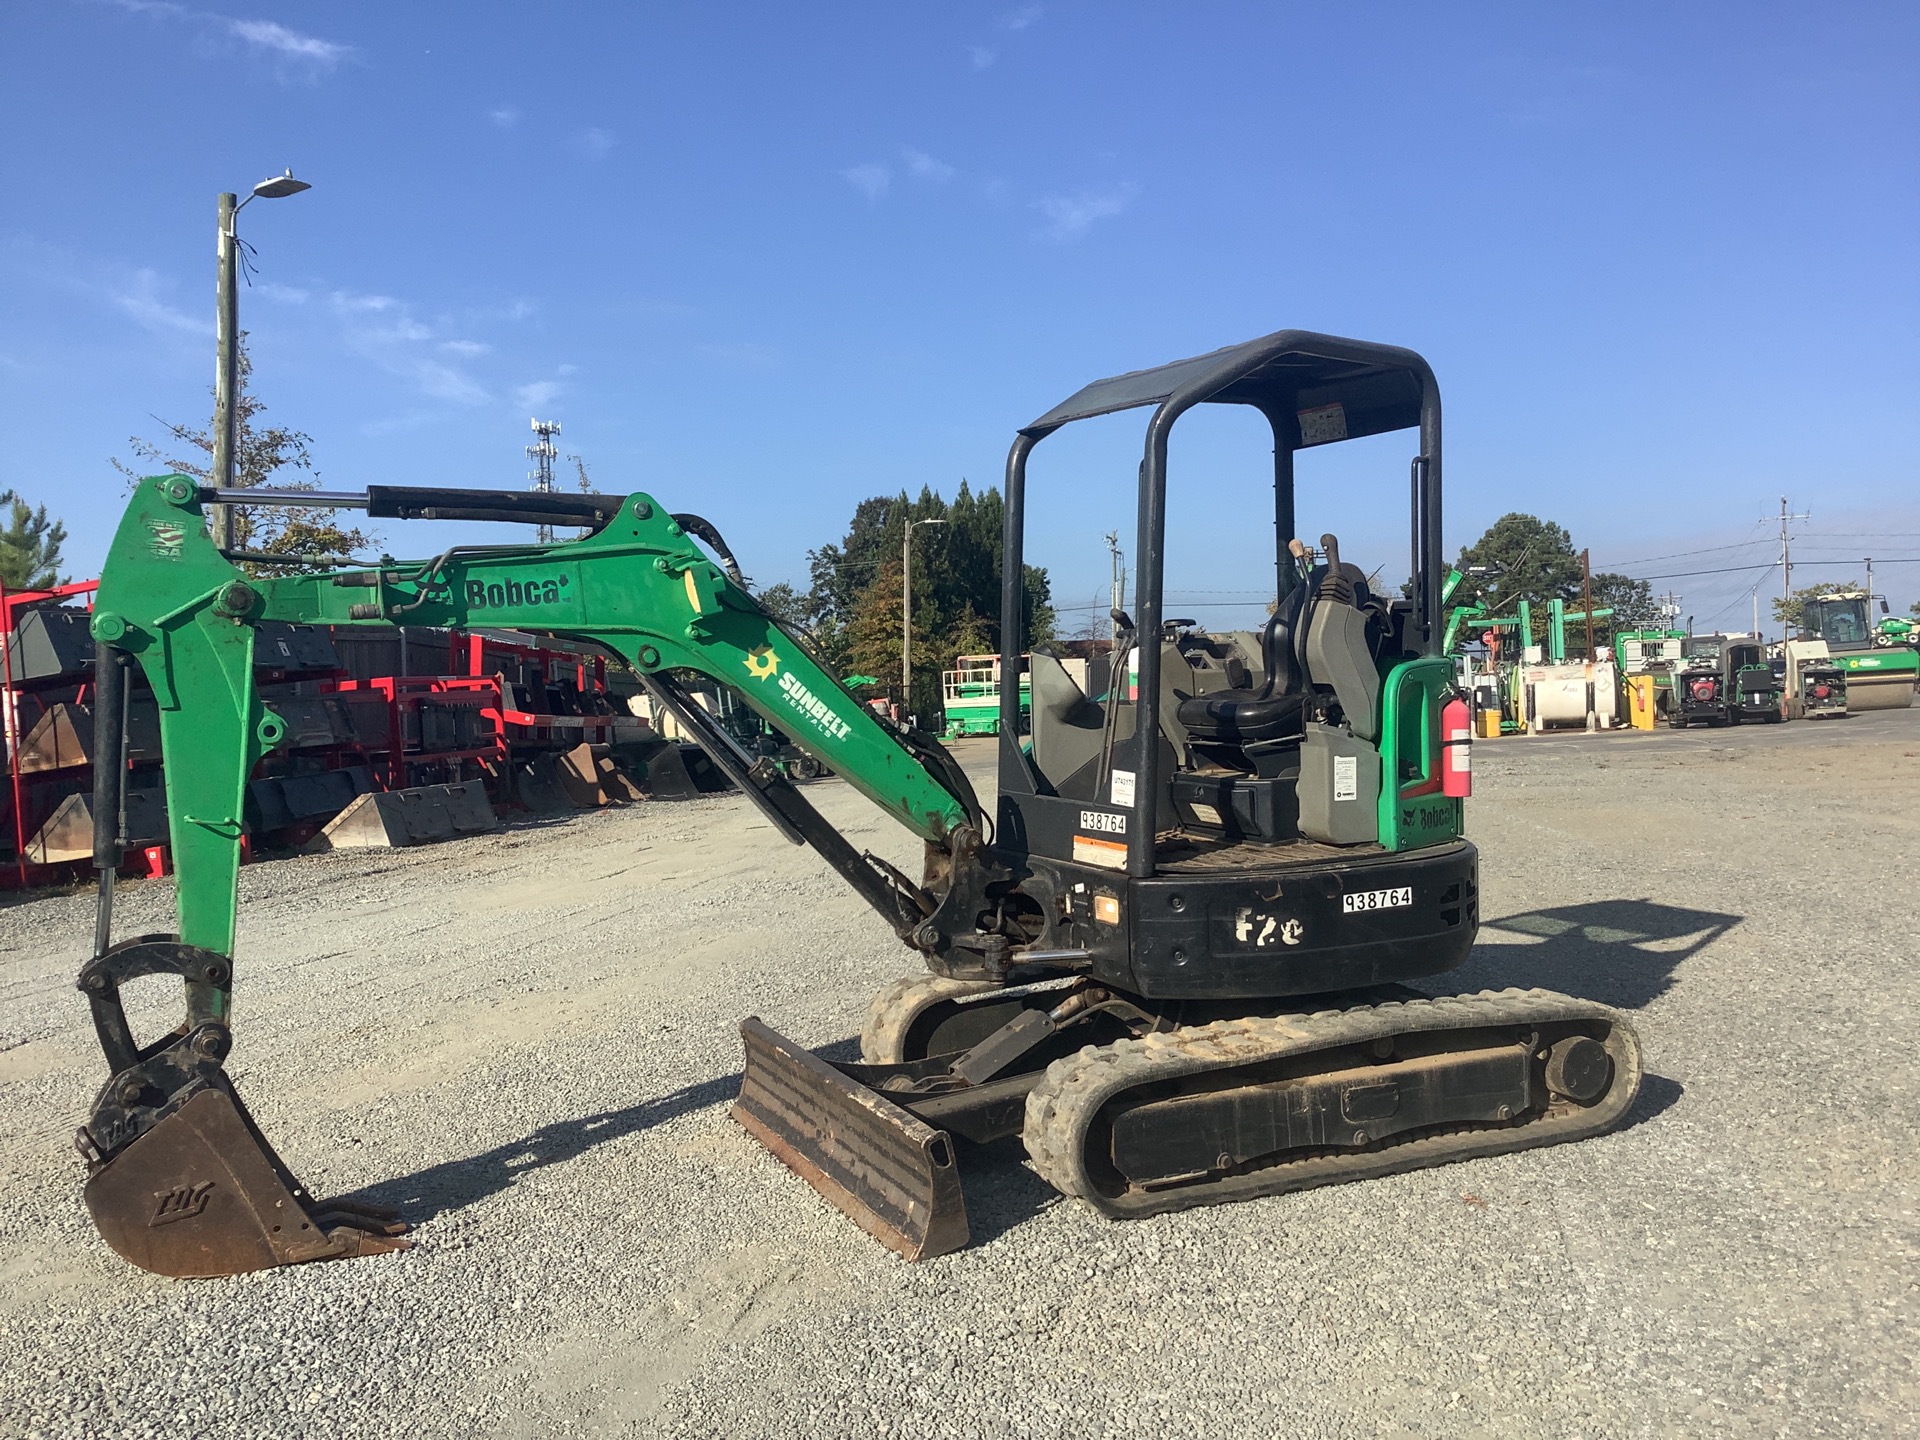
1376,387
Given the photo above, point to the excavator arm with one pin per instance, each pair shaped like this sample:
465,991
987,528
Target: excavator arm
181,1181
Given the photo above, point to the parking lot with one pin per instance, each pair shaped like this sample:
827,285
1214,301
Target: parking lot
527,1041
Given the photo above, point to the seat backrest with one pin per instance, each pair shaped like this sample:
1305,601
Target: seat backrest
1336,648
1280,646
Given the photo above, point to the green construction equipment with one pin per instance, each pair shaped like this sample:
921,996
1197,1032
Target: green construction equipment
1176,962
1881,671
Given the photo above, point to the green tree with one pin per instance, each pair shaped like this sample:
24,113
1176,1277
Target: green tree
29,546
1791,610
787,604
260,453
853,608
1528,559
1634,607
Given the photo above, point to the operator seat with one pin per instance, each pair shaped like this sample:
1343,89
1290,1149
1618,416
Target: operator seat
1271,712
1346,637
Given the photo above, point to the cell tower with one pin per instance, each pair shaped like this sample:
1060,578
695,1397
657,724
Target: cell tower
542,453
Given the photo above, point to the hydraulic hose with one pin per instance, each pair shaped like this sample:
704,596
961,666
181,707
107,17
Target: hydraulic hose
703,530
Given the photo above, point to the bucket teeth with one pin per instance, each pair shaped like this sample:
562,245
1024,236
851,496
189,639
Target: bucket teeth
203,1194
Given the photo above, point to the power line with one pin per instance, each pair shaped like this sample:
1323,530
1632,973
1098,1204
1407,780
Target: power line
1724,570
1682,554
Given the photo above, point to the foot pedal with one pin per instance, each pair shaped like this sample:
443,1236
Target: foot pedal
202,1193
889,1171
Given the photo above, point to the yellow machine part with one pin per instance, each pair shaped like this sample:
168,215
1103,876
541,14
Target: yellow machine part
1640,702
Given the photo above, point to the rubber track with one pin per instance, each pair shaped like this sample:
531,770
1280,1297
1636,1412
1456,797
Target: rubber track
893,1011
1063,1107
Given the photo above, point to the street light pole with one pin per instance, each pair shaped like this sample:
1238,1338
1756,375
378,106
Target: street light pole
906,613
226,373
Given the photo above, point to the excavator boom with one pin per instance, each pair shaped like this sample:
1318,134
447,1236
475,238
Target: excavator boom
181,1180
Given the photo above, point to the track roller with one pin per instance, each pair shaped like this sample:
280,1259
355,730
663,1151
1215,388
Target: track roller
1241,1108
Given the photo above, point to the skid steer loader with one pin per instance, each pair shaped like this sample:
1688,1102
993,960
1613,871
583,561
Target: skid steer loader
1174,960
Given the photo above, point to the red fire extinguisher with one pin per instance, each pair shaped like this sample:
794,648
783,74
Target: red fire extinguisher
1456,744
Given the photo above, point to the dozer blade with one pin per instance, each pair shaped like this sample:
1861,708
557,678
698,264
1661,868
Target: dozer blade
890,1171
202,1193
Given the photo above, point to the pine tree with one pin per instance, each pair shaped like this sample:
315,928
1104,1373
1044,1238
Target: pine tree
260,452
854,605
29,546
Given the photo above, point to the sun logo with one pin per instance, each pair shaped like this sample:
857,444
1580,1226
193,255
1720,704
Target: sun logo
762,663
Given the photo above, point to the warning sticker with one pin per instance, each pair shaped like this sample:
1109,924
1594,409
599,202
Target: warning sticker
1346,777
1322,424
1112,854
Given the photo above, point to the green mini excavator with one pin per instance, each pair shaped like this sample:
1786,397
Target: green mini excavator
1174,958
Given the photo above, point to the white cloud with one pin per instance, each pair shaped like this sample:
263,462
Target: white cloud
137,295
870,180
278,39
1018,20
346,300
537,393
295,55
592,143
565,369
923,166
1071,216
444,382
136,292
285,294
982,56
385,331
506,117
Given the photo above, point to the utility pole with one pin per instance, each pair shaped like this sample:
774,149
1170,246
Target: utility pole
1119,581
1586,600
1786,562
1869,590
906,613
226,369
541,452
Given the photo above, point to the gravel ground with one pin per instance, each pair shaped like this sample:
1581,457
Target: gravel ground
527,1041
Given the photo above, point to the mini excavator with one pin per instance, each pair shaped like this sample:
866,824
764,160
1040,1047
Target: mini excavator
1174,960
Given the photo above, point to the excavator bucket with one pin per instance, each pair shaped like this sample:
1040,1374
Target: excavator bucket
892,1173
202,1193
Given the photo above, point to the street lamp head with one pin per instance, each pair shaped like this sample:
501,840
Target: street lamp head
278,187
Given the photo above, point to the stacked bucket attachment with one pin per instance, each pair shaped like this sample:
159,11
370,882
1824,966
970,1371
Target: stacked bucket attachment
180,1180
1171,1116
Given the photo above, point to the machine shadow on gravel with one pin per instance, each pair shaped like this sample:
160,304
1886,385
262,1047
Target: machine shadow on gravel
1623,953
455,1184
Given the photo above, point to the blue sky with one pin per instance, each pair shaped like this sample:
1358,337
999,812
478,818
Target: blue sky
765,260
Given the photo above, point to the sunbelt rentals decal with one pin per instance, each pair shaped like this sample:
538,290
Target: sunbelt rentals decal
764,664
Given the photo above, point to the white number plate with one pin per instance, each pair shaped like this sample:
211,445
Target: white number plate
1376,900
